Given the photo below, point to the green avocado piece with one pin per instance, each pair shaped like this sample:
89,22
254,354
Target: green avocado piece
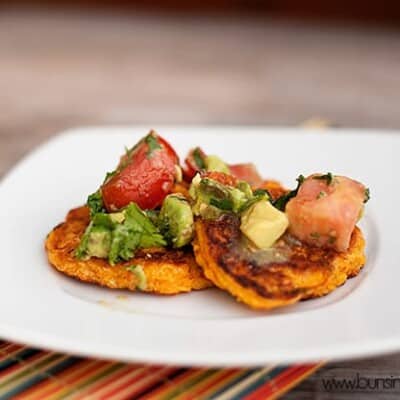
140,276
176,220
214,163
212,198
117,236
99,241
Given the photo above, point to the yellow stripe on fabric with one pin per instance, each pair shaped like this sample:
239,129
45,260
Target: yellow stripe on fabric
231,392
221,384
185,385
64,381
11,352
199,385
50,384
81,384
24,365
96,385
113,385
129,391
39,369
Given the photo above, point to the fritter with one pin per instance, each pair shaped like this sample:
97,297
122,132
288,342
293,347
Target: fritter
157,270
265,279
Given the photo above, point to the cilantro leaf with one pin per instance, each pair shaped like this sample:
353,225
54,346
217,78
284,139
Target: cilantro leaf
152,142
95,203
280,202
223,204
367,195
132,230
198,158
327,177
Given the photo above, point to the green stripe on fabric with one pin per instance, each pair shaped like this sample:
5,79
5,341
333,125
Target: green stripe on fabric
38,378
185,385
29,370
264,378
91,379
18,358
246,373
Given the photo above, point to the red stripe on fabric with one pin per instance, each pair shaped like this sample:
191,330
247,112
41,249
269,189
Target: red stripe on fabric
96,366
22,364
151,381
13,348
42,385
214,382
68,381
294,380
97,386
270,388
134,379
65,382
32,390
172,383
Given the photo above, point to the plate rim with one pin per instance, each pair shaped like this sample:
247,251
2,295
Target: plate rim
373,347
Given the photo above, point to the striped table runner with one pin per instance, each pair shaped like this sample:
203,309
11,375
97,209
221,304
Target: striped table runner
28,373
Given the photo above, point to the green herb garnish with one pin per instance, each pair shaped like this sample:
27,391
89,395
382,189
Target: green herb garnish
258,194
261,192
222,204
135,230
95,203
280,202
315,235
153,144
198,158
367,195
327,177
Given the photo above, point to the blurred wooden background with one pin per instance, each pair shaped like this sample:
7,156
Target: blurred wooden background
387,11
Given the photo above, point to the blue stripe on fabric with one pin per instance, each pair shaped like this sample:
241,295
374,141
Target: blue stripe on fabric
233,383
40,377
17,358
268,376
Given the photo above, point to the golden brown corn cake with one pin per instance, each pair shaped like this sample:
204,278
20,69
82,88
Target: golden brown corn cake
289,272
158,270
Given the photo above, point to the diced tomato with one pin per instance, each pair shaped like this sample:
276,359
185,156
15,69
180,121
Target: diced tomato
145,175
325,211
194,162
247,172
221,177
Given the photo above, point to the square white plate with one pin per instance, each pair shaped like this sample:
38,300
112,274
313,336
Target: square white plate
43,308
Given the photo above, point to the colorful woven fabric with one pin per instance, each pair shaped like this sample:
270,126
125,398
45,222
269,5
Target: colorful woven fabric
27,373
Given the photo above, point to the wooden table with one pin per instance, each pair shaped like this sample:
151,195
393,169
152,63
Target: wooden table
59,71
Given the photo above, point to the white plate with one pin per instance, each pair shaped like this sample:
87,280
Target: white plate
43,308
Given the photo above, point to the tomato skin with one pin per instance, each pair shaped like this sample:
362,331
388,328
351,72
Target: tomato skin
145,177
191,168
247,172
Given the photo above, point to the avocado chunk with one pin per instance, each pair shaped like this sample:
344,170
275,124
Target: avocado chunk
99,241
263,224
212,198
116,236
140,276
176,220
214,163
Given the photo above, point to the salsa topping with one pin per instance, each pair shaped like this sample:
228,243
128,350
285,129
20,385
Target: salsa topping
145,175
116,236
138,204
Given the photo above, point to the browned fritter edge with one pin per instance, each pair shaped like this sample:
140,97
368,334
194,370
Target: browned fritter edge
167,271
